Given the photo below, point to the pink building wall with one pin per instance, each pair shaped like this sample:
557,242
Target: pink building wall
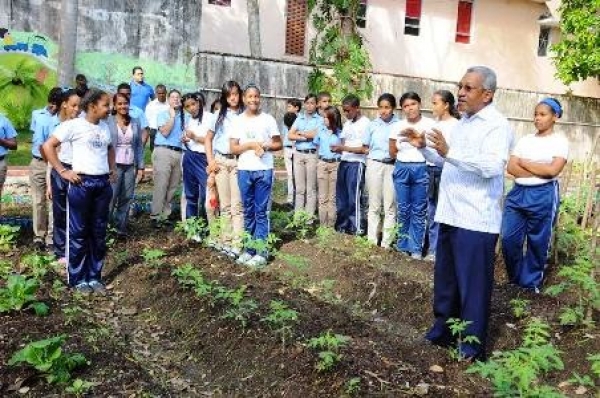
504,37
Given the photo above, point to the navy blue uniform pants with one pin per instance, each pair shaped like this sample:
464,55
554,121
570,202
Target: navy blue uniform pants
59,188
255,190
194,183
529,213
435,175
463,282
410,181
349,189
87,209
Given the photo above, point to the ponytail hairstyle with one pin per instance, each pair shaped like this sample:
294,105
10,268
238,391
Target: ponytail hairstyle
448,98
335,119
114,111
91,97
225,91
198,97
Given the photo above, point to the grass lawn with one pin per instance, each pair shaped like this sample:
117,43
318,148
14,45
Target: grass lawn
22,156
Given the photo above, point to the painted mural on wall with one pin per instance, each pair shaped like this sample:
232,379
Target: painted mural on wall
28,70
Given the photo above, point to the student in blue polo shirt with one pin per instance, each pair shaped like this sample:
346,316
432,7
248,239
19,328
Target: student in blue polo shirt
166,159
327,169
531,207
302,133
141,92
38,170
8,141
378,176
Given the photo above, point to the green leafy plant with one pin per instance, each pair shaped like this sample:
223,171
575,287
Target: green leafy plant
325,237
594,360
261,245
6,268
329,346
520,307
362,248
578,279
280,220
281,319
20,293
295,261
80,387
458,327
302,224
153,257
192,277
352,386
519,372
240,308
8,237
48,357
194,228
38,266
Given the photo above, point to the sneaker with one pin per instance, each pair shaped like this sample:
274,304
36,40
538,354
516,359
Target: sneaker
430,258
257,261
83,288
416,256
39,245
98,287
244,258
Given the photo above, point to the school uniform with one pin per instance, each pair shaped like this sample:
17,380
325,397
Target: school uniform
7,131
255,174
194,166
87,202
379,181
166,165
530,211
153,109
351,179
434,173
288,156
410,181
141,94
305,163
59,187
41,121
226,180
327,170
129,158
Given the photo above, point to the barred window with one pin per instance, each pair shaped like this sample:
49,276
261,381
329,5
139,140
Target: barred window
295,27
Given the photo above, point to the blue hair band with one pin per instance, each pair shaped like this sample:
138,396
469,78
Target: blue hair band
553,104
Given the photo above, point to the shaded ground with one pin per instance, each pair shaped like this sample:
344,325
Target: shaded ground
152,337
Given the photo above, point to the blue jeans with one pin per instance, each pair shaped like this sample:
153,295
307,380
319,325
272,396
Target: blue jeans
123,190
410,181
529,213
194,183
255,190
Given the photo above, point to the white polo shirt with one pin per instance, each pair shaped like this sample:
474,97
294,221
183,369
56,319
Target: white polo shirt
540,149
353,134
260,128
199,129
407,152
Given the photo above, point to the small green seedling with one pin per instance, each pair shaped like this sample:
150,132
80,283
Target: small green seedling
8,237
281,319
302,224
194,228
520,307
153,257
458,328
38,266
80,387
329,346
239,308
20,293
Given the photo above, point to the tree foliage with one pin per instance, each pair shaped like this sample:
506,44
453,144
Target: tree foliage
339,45
578,52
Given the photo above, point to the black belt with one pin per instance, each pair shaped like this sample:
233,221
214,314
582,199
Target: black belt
173,148
288,146
385,161
41,159
306,150
333,160
227,155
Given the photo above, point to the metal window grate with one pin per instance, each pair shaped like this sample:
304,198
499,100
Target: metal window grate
295,27
543,41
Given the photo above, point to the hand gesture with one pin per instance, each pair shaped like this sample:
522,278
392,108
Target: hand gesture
258,149
71,176
438,142
413,137
172,112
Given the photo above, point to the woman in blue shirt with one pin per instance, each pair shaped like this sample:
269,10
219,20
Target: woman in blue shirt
378,176
327,169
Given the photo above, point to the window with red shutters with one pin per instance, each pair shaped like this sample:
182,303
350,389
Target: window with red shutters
295,27
463,21
412,20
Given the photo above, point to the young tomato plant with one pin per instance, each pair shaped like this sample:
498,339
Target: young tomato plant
194,228
302,224
153,257
239,308
20,293
48,357
458,328
281,319
329,346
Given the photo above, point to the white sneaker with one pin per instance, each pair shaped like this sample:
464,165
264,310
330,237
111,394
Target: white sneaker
257,261
430,258
244,258
233,252
416,256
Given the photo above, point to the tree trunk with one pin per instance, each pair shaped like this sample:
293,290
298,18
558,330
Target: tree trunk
254,28
67,42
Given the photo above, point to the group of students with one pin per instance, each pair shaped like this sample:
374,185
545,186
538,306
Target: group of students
95,152
366,177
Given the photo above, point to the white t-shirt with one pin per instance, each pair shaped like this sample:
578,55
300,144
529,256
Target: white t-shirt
407,152
353,134
260,128
446,127
200,129
90,144
153,109
540,149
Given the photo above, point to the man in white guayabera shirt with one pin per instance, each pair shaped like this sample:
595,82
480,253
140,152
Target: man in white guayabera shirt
469,211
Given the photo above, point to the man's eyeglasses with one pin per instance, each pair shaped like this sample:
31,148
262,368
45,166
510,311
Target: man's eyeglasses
469,88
